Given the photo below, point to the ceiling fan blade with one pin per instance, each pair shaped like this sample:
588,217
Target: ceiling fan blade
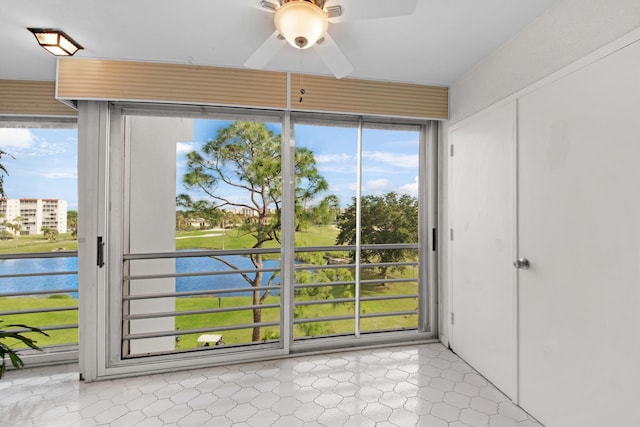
359,10
331,54
261,57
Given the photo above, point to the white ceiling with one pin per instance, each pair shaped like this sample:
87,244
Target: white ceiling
435,45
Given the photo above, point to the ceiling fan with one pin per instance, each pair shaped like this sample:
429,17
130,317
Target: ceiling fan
304,24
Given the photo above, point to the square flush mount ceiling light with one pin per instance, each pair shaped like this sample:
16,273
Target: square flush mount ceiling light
55,41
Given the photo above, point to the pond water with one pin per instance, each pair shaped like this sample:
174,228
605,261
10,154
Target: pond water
70,281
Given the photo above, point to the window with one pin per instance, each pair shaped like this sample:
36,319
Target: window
368,214
325,298
38,233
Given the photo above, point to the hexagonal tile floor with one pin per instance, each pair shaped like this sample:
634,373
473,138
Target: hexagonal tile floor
423,385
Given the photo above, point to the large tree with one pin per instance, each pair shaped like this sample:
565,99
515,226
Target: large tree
246,156
391,218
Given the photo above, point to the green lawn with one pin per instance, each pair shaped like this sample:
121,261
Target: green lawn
67,317
317,236
237,336
201,239
233,239
38,243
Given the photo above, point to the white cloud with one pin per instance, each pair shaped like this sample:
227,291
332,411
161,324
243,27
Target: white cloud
61,174
333,158
393,159
184,147
381,186
15,138
410,189
376,186
23,143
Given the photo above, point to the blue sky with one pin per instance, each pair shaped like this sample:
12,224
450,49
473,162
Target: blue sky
390,158
44,163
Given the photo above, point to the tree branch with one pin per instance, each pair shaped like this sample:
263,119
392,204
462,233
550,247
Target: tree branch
234,267
269,284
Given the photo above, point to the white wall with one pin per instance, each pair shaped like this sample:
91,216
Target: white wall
566,33
152,219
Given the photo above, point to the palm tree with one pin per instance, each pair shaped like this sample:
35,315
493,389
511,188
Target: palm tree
50,233
15,226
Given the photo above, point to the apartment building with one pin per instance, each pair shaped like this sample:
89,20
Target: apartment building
36,214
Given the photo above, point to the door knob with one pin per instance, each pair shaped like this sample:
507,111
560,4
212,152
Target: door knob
521,264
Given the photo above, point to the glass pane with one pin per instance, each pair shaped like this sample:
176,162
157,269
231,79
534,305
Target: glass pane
215,185
39,214
228,185
389,215
325,282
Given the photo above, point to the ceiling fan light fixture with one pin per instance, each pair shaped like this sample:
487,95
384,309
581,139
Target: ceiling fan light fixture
55,41
301,22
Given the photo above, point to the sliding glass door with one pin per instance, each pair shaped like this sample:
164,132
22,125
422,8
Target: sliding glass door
235,235
201,234
359,274
325,275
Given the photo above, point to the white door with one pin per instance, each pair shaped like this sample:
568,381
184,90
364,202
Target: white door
579,226
482,216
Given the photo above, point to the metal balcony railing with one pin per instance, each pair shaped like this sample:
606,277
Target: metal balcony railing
356,296
214,295
221,298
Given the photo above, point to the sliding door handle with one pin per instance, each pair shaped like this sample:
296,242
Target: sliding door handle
100,260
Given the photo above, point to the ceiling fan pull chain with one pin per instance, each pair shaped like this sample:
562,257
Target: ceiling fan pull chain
302,91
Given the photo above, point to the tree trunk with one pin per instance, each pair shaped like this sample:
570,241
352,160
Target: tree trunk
257,312
257,316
